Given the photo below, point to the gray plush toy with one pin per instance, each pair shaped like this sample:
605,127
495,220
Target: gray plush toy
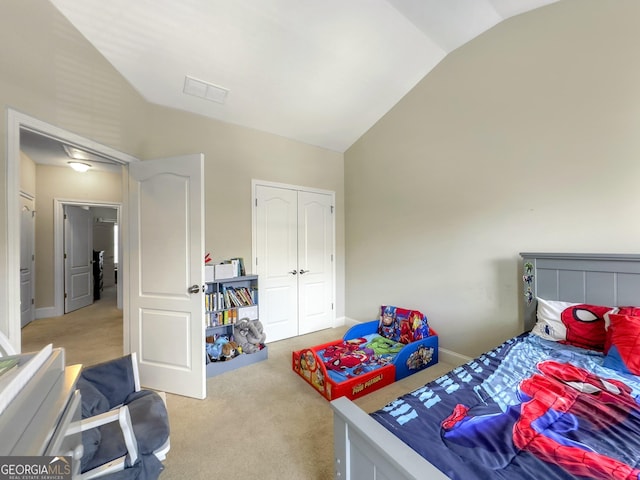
256,334
241,333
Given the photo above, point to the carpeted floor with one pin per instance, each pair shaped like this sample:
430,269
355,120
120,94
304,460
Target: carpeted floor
90,335
261,421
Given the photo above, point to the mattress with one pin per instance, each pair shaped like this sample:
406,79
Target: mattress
530,408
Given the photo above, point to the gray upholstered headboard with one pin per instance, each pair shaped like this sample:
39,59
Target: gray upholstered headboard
599,279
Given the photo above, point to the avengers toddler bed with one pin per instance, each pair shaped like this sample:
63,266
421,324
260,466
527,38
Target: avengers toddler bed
560,402
370,355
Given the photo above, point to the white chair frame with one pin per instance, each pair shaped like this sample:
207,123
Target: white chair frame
121,415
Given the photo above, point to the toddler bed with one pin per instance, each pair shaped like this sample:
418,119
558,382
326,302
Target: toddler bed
560,402
370,355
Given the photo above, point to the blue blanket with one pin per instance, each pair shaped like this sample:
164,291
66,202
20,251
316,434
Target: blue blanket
530,408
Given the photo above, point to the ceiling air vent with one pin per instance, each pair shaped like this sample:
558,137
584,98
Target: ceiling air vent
205,90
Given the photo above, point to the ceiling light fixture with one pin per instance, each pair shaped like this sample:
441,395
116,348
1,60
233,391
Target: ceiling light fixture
75,153
79,166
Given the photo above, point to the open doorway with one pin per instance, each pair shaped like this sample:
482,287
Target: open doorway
22,128
63,260
105,249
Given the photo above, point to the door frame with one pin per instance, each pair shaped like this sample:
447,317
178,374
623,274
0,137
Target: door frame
58,252
254,233
16,121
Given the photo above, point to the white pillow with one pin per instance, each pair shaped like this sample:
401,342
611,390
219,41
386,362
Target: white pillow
549,325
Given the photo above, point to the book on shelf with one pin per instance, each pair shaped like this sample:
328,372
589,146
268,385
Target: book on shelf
226,303
233,297
221,318
238,262
213,301
242,293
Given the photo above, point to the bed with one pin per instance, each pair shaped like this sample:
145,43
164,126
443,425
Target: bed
370,355
532,433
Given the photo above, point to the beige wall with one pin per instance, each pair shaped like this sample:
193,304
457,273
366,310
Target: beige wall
64,184
233,157
50,72
56,76
525,139
27,175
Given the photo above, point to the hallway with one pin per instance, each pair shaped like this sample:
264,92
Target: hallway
89,335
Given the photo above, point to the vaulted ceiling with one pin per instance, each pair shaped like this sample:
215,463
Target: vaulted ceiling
321,72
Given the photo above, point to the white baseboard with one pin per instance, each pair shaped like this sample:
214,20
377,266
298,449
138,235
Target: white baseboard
444,355
46,312
452,358
350,322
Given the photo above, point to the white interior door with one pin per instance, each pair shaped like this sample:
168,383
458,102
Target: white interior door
27,260
78,258
277,260
294,260
315,262
166,222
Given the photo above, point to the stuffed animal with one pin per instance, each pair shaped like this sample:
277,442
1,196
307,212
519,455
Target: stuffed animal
250,335
214,350
256,334
241,333
229,350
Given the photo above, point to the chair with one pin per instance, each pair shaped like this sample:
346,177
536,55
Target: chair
125,430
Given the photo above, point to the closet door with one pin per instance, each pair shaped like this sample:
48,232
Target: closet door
315,266
27,259
277,260
294,260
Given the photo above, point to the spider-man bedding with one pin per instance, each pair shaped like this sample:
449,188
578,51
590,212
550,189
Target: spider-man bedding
370,355
530,408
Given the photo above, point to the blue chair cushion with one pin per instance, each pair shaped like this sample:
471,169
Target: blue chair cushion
93,402
150,422
114,379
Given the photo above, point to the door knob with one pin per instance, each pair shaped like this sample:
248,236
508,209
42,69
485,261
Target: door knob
194,289
293,272
302,272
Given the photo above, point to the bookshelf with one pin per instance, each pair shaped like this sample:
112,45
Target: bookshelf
227,301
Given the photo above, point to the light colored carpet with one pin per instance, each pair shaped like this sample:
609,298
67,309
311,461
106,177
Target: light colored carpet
261,421
89,335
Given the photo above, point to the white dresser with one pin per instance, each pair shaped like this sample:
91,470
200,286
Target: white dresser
38,403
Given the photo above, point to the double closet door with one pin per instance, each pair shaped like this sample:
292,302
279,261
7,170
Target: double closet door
293,256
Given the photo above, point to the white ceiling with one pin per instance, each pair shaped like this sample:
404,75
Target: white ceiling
318,71
47,151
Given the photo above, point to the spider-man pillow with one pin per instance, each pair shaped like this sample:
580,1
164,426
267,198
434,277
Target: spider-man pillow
631,311
578,324
623,336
